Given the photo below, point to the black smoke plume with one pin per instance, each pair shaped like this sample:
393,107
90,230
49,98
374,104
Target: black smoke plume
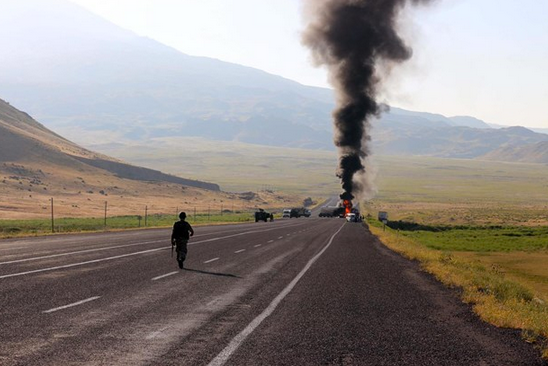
358,41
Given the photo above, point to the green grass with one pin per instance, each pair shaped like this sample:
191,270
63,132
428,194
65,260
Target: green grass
11,228
517,300
476,238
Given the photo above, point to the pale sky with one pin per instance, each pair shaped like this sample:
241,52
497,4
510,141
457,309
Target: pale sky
484,58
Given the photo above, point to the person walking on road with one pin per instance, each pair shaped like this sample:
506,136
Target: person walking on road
182,231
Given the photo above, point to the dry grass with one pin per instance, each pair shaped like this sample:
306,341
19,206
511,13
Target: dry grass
26,189
495,297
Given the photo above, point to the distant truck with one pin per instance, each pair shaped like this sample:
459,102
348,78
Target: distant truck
286,214
299,212
383,216
331,211
262,215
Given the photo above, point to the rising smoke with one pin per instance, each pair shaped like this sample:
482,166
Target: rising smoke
358,42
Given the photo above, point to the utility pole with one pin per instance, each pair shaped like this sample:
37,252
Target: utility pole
146,215
106,208
52,220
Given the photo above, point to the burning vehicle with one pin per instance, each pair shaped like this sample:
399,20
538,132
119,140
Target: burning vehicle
358,42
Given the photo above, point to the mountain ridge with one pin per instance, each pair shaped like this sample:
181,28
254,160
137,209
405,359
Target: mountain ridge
109,85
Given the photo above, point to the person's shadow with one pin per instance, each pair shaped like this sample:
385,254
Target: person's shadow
211,273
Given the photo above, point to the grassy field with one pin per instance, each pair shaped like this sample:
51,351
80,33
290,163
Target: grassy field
12,228
507,288
422,189
477,238
236,167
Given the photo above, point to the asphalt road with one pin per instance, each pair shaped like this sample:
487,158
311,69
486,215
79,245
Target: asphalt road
291,292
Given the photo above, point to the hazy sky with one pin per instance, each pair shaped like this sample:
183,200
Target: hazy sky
485,58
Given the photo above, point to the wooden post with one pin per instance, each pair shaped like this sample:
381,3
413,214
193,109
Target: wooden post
52,219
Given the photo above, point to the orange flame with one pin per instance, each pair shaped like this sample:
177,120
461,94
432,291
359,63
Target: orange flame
347,206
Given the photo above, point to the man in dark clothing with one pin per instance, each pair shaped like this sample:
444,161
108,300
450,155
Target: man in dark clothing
182,231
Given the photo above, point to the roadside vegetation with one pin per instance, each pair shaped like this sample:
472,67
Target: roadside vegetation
501,271
14,228
478,226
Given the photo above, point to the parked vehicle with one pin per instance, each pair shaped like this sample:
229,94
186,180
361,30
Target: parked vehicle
298,212
286,213
383,216
262,215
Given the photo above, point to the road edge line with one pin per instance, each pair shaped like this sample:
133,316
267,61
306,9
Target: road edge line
233,346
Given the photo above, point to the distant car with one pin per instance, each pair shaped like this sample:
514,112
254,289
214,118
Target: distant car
351,217
286,213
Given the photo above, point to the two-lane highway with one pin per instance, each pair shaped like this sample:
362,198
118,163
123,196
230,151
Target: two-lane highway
119,298
301,291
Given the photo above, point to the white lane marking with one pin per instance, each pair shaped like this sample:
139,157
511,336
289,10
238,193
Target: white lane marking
71,305
211,260
156,334
81,251
271,241
287,234
127,245
12,248
258,245
225,354
163,276
280,237
81,263
239,251
123,255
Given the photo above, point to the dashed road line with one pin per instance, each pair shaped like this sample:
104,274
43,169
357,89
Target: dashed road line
229,350
164,276
280,237
239,251
258,245
81,263
117,256
80,252
157,334
271,241
71,305
211,260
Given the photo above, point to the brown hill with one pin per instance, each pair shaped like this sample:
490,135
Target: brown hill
532,153
36,165
23,139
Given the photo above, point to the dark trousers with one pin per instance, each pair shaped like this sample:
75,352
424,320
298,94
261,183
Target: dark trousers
181,249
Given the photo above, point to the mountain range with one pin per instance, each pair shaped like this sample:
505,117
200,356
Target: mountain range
97,83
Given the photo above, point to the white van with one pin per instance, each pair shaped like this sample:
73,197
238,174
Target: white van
286,213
